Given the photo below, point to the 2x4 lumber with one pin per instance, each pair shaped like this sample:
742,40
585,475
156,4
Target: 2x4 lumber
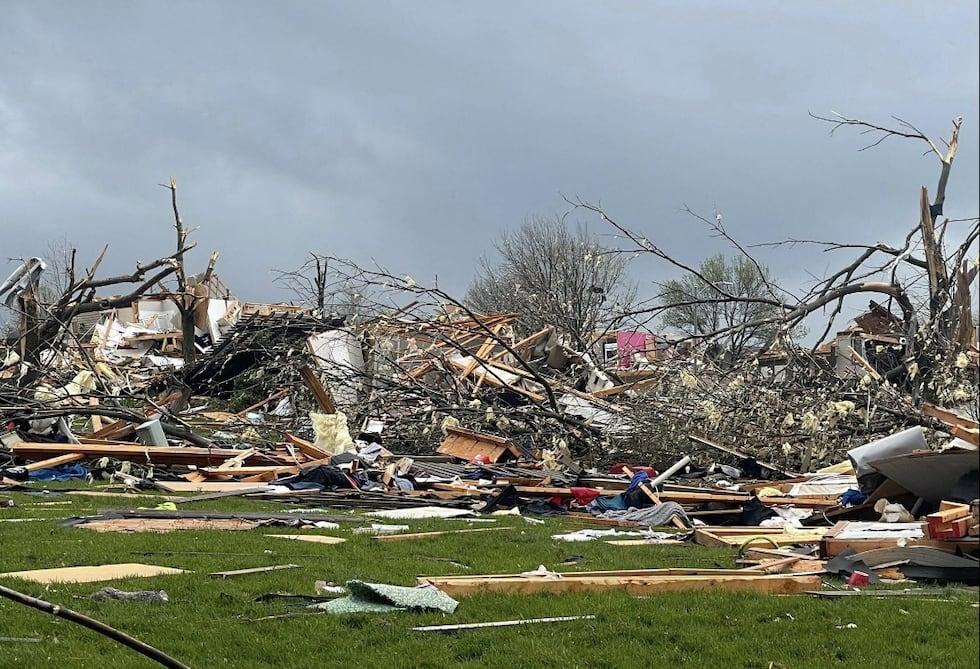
307,447
56,461
425,535
186,455
859,359
322,395
271,398
651,493
118,429
95,420
238,459
622,388
275,469
253,570
774,566
527,341
971,436
634,585
949,417
950,513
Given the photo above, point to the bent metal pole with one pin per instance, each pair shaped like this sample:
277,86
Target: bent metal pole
92,624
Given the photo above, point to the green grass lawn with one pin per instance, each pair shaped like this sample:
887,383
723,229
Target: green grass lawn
211,622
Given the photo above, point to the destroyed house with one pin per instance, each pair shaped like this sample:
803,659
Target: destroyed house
875,344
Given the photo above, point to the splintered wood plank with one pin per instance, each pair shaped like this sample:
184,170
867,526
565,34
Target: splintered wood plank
91,574
733,537
307,448
949,417
322,395
139,453
253,570
420,535
312,538
53,462
642,542
167,524
238,459
634,585
209,486
95,420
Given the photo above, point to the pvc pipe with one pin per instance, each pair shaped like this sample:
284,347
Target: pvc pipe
677,466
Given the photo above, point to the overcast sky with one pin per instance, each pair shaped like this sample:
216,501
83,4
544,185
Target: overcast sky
414,133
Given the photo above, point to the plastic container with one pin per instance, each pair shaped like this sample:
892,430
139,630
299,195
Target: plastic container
151,433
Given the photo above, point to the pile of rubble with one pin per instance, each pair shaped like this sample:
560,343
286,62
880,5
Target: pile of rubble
437,406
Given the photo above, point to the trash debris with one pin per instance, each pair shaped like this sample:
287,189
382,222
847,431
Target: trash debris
382,598
500,623
153,596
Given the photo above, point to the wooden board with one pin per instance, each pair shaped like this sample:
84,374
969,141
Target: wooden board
166,524
307,448
421,535
734,537
634,585
253,570
312,538
642,542
138,453
56,461
91,574
466,445
210,486
832,544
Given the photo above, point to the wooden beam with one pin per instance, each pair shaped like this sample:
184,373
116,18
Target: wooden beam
949,417
634,585
253,570
56,461
307,448
274,396
138,453
859,359
322,395
421,535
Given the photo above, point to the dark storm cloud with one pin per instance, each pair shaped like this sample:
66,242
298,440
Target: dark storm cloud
414,133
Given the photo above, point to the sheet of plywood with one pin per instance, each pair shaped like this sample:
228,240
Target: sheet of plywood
167,524
91,574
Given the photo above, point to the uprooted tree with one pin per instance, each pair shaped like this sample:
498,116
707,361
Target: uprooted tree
935,252
429,357
44,316
798,412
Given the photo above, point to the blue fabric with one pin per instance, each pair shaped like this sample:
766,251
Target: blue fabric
852,497
638,478
61,473
602,504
